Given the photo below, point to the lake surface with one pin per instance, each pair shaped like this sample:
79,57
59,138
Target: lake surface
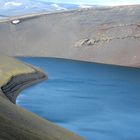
96,101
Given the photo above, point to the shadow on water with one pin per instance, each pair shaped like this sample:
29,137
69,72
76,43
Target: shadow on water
96,101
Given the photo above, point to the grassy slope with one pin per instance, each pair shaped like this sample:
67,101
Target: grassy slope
10,67
19,124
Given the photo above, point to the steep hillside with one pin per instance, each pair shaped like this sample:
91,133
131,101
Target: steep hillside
105,35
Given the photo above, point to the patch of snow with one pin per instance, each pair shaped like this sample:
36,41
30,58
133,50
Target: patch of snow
16,21
12,3
85,6
58,7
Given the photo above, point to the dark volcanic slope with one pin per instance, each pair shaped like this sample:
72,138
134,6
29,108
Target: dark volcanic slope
107,35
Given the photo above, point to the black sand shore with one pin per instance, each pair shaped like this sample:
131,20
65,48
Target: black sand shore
15,122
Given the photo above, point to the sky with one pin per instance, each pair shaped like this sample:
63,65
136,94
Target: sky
97,2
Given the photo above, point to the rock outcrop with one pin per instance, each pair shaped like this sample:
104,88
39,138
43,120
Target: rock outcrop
16,83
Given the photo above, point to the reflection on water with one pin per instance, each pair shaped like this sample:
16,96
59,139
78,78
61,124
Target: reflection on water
98,102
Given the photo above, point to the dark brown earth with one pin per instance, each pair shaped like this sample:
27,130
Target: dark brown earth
106,35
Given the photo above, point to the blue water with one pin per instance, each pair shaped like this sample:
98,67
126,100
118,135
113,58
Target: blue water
98,102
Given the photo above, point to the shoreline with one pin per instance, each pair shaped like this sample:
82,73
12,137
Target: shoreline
17,123
137,66
17,83
16,76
